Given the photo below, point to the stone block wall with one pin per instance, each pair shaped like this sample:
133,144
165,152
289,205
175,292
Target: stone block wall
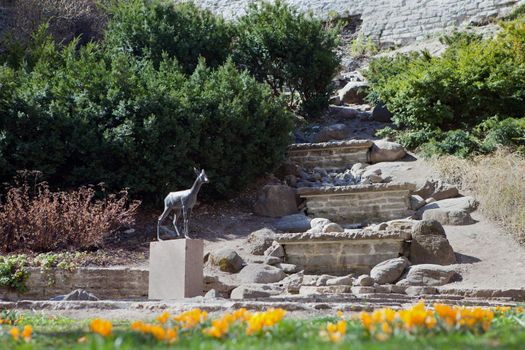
359,203
105,283
341,154
342,253
389,21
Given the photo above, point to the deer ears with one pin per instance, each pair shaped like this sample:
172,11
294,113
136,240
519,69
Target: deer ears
197,171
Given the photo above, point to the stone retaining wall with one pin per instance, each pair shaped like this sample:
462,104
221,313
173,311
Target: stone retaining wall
389,21
105,283
358,203
341,154
355,251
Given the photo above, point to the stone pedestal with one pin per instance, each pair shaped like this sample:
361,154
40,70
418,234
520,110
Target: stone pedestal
176,269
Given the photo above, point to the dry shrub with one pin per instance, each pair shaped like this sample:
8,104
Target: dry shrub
497,181
41,220
67,19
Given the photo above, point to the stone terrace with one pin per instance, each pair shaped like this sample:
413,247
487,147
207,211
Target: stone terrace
358,203
340,154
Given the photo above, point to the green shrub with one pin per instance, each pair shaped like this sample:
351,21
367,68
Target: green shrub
91,115
508,132
294,53
150,28
473,80
13,272
455,142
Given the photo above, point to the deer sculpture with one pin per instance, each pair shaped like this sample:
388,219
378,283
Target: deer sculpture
182,201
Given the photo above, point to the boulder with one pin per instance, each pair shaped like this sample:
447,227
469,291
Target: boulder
390,270
292,283
319,222
80,294
321,281
259,241
453,211
221,285
272,260
287,268
331,133
287,167
260,273
437,189
211,294
250,291
275,250
414,291
386,151
354,92
226,259
293,223
364,280
276,201
381,114
416,202
332,227
449,217
429,275
430,244
340,281
359,290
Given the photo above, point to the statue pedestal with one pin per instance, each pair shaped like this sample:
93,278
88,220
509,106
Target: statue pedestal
176,269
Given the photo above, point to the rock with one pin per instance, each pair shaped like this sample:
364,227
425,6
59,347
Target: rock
260,273
293,223
275,249
453,211
310,280
430,244
332,227
364,280
342,112
383,289
449,217
416,202
353,92
211,294
276,201
389,271
227,260
80,294
250,291
331,133
381,114
414,291
259,241
292,283
386,151
321,281
220,285
272,260
438,190
359,290
319,222
287,268
335,100
429,275
324,290
340,281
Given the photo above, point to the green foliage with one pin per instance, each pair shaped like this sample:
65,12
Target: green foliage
361,47
13,272
473,80
91,115
516,13
444,99
293,52
152,28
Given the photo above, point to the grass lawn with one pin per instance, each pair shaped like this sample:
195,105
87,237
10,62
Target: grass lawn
507,330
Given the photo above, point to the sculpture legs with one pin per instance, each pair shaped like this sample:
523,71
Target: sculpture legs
162,217
175,224
187,215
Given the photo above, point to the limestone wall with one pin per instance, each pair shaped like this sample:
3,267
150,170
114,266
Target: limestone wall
105,283
390,21
359,203
340,154
343,253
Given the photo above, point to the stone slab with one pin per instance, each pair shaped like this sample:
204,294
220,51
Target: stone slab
176,269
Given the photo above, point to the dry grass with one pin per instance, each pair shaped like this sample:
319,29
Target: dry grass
41,220
497,181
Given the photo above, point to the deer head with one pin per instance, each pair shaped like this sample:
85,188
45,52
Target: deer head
201,175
